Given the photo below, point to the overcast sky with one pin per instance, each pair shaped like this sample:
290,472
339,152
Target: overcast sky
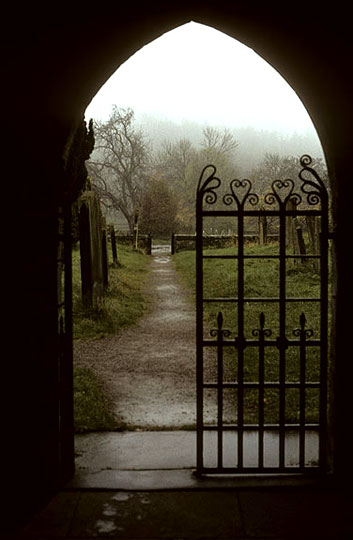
198,73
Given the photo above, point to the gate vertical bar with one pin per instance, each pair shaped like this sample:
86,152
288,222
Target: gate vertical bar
240,340
261,334
282,332
199,334
323,331
220,391
302,375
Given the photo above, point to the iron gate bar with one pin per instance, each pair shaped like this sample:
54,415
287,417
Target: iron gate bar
220,333
222,299
261,257
262,332
267,343
199,336
302,396
282,328
315,192
240,337
324,327
259,213
252,471
267,427
266,384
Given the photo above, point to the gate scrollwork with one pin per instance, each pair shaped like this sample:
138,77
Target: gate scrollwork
208,184
282,191
313,187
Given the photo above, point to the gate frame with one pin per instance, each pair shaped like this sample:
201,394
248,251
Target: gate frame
314,190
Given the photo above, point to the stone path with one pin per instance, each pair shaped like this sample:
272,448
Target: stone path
149,369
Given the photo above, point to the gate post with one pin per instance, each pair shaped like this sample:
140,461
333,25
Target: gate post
262,230
299,244
105,258
172,248
313,226
136,233
85,256
113,243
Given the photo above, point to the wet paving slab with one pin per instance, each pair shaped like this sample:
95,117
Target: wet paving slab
167,460
143,450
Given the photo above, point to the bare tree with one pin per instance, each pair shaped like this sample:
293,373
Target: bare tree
120,164
159,209
175,160
217,142
180,163
273,167
218,147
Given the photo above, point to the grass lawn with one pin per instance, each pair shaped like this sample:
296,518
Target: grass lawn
122,306
123,303
261,277
92,409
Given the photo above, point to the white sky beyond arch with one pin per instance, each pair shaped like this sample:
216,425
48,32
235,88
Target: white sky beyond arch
198,73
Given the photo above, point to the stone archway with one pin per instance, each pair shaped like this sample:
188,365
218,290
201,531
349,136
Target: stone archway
250,36
134,386
54,67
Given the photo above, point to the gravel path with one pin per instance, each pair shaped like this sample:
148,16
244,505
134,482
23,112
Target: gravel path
149,369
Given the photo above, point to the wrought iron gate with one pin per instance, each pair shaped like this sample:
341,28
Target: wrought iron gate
261,360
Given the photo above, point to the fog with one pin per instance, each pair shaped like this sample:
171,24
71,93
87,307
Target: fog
196,73
253,143
196,76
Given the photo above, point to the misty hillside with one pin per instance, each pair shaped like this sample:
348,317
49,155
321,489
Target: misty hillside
253,143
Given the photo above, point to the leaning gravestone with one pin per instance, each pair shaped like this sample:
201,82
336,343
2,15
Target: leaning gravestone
91,250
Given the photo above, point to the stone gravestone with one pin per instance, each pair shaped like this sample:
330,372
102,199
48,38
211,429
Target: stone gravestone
91,250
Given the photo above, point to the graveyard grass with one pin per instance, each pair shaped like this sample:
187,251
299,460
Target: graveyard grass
123,303
261,279
92,409
122,306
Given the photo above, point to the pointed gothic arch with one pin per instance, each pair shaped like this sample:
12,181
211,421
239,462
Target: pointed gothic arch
54,68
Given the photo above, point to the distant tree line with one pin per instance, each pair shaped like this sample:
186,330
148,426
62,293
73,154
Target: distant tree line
158,188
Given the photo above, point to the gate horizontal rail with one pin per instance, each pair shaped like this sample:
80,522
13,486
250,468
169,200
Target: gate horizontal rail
222,299
259,213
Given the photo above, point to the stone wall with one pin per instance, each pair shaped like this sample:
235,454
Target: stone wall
184,242
144,241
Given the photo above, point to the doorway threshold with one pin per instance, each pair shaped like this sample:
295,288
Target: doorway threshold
157,460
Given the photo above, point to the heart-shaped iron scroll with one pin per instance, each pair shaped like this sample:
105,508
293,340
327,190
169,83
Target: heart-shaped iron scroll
240,193
282,192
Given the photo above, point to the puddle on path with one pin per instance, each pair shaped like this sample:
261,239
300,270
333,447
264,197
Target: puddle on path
161,260
161,250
